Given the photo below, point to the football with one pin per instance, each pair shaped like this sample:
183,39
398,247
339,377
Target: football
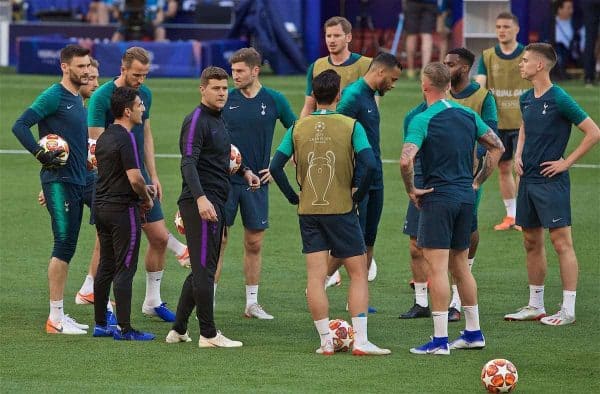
92,164
343,335
179,223
235,159
499,376
53,142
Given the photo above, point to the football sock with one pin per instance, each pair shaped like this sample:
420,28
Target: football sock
88,285
568,303
440,324
511,207
215,294
109,306
359,323
56,311
327,280
175,246
251,294
421,294
471,262
472,318
455,303
153,280
536,296
323,330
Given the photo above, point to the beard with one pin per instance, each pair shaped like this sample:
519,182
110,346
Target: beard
78,81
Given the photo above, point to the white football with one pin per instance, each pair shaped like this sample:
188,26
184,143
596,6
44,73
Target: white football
179,223
52,143
235,159
343,335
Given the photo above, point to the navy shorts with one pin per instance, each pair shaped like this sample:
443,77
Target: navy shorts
156,213
545,205
340,234
420,17
411,222
369,214
89,192
64,202
445,225
254,206
509,140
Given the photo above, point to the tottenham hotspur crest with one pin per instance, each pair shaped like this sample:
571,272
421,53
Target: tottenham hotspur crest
545,107
263,106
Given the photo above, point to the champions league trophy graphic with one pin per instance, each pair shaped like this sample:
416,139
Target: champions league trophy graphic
320,173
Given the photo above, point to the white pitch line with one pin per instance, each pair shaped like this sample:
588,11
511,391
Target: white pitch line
178,156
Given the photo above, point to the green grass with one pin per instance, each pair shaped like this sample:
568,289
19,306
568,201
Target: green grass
278,356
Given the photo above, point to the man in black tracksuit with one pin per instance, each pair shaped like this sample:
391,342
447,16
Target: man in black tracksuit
121,193
205,147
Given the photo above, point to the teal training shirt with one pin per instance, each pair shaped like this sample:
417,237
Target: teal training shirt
359,137
407,119
63,114
547,121
251,123
446,133
100,115
482,70
358,102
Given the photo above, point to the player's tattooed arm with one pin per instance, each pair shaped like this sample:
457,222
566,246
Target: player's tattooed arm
407,165
407,169
495,149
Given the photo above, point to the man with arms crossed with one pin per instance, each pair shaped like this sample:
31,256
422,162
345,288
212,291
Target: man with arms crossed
250,115
325,145
205,147
59,110
498,72
446,134
135,65
544,191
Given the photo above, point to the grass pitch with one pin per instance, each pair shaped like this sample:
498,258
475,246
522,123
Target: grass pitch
278,356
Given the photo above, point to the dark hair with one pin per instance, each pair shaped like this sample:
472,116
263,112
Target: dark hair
508,15
464,54
545,50
70,51
438,74
123,97
385,60
338,20
326,86
558,4
212,72
247,55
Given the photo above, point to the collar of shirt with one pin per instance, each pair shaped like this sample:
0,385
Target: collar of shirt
214,112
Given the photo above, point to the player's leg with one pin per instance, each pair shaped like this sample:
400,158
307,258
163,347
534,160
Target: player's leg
230,209
435,235
506,180
418,266
471,337
411,25
533,241
126,243
104,274
555,202
64,203
428,21
563,245
254,209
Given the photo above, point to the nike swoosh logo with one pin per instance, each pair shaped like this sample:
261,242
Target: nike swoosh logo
233,107
264,222
556,220
70,106
369,110
58,329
